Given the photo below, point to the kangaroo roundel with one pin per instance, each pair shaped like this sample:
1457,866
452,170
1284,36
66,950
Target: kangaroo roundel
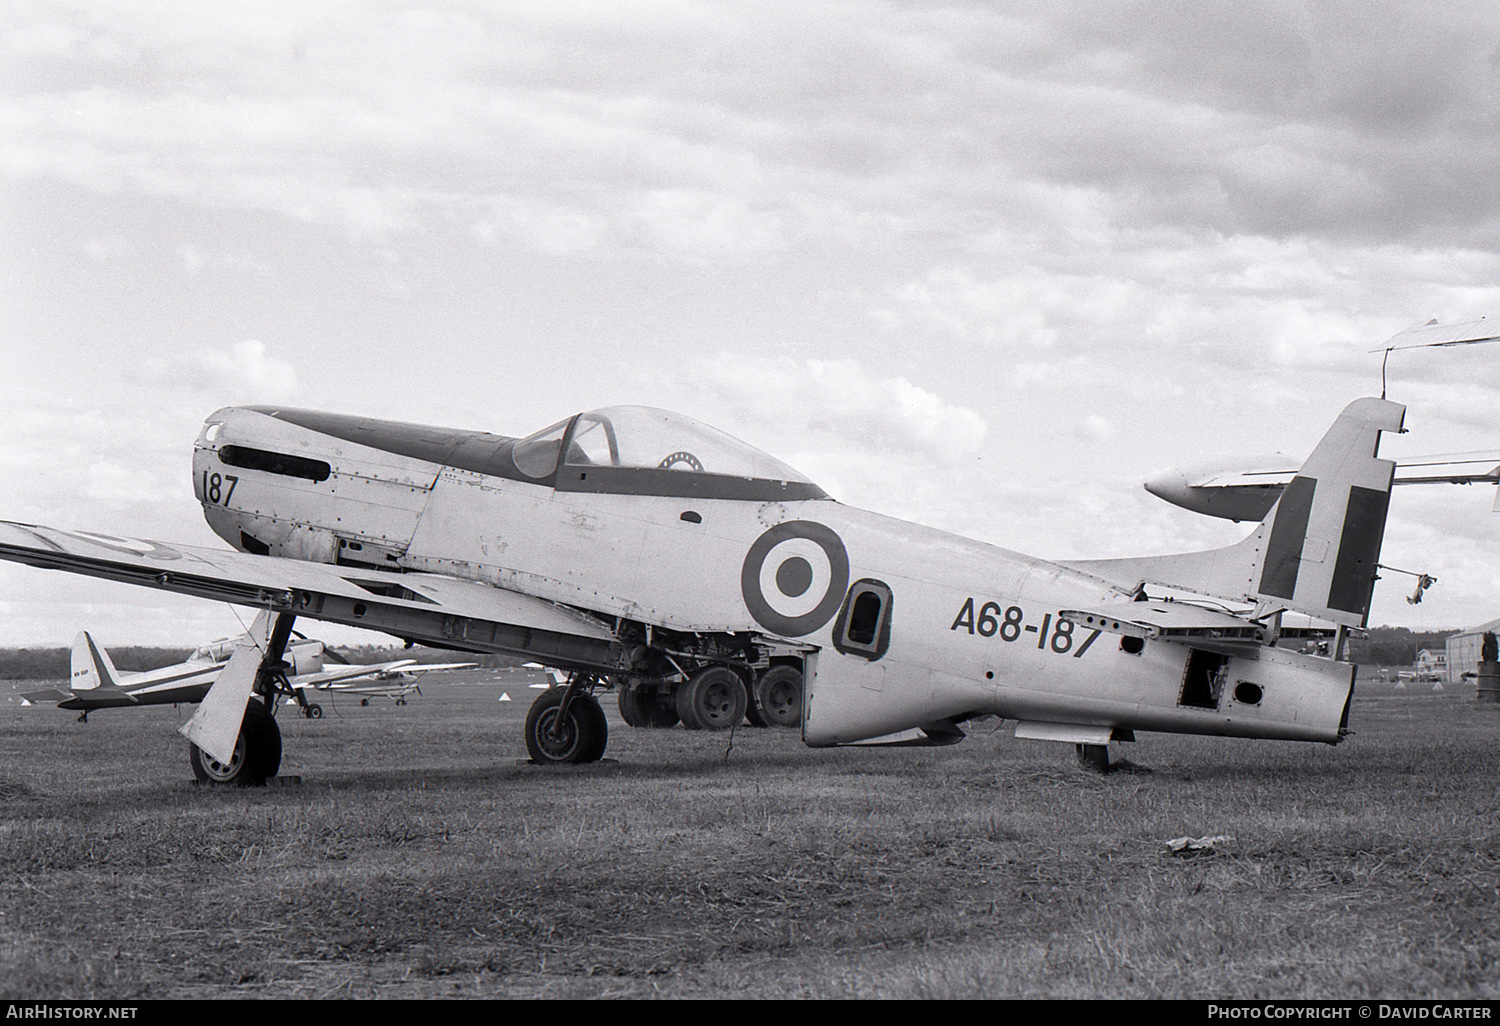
794,577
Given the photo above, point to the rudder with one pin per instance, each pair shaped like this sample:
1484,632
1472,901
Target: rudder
1323,536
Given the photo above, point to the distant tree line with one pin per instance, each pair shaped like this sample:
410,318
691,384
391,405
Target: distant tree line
53,663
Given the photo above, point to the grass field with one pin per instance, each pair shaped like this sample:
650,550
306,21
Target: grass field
420,857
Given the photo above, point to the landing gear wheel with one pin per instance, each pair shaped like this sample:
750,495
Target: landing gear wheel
630,707
257,752
777,697
647,707
712,699
660,708
314,711
579,737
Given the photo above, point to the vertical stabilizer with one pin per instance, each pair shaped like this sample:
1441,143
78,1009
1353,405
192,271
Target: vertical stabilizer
1324,534
1317,550
92,669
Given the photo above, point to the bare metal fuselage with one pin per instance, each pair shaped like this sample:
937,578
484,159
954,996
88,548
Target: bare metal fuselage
961,628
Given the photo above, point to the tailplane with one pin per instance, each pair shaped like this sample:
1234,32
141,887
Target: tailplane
1317,550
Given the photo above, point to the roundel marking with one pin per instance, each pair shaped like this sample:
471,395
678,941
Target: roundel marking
794,577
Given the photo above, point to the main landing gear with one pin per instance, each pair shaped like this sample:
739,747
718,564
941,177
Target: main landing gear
257,750
566,725
257,753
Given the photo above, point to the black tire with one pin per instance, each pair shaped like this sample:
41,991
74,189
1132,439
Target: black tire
712,699
581,738
257,752
630,707
314,711
660,708
778,696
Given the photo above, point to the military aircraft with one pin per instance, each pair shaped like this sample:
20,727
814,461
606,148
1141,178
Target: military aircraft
1246,487
94,683
645,551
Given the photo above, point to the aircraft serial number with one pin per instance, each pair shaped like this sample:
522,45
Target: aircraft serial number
1009,624
214,490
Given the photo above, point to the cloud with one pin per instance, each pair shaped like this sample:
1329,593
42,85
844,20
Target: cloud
245,372
842,400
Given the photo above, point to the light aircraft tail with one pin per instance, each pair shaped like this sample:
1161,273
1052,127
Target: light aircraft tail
92,670
1317,550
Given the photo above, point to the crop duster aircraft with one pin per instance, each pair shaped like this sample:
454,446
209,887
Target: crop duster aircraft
94,683
643,550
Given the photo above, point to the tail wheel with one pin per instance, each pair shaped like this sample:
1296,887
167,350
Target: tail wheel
712,699
257,752
578,736
778,696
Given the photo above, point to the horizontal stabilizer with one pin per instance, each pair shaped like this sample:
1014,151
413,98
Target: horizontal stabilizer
1166,621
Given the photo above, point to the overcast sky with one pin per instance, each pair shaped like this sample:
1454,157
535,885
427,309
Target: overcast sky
983,266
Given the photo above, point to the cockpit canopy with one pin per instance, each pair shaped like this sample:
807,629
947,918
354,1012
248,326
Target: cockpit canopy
650,451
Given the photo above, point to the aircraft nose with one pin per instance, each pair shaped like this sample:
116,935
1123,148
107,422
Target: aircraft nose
1170,485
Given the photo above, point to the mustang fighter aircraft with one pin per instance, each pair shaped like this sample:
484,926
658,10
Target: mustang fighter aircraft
644,551
94,683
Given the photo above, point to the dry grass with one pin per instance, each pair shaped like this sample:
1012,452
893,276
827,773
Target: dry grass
420,858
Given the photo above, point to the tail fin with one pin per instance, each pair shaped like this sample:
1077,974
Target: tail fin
92,669
1323,537
1317,549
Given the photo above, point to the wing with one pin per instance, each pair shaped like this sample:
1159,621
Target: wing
431,608
1434,334
356,671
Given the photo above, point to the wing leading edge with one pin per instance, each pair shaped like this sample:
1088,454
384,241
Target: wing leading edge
428,608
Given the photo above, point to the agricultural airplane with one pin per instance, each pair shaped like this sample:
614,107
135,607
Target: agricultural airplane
94,683
696,575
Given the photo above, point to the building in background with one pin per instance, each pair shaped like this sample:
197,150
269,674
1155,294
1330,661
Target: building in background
1462,650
